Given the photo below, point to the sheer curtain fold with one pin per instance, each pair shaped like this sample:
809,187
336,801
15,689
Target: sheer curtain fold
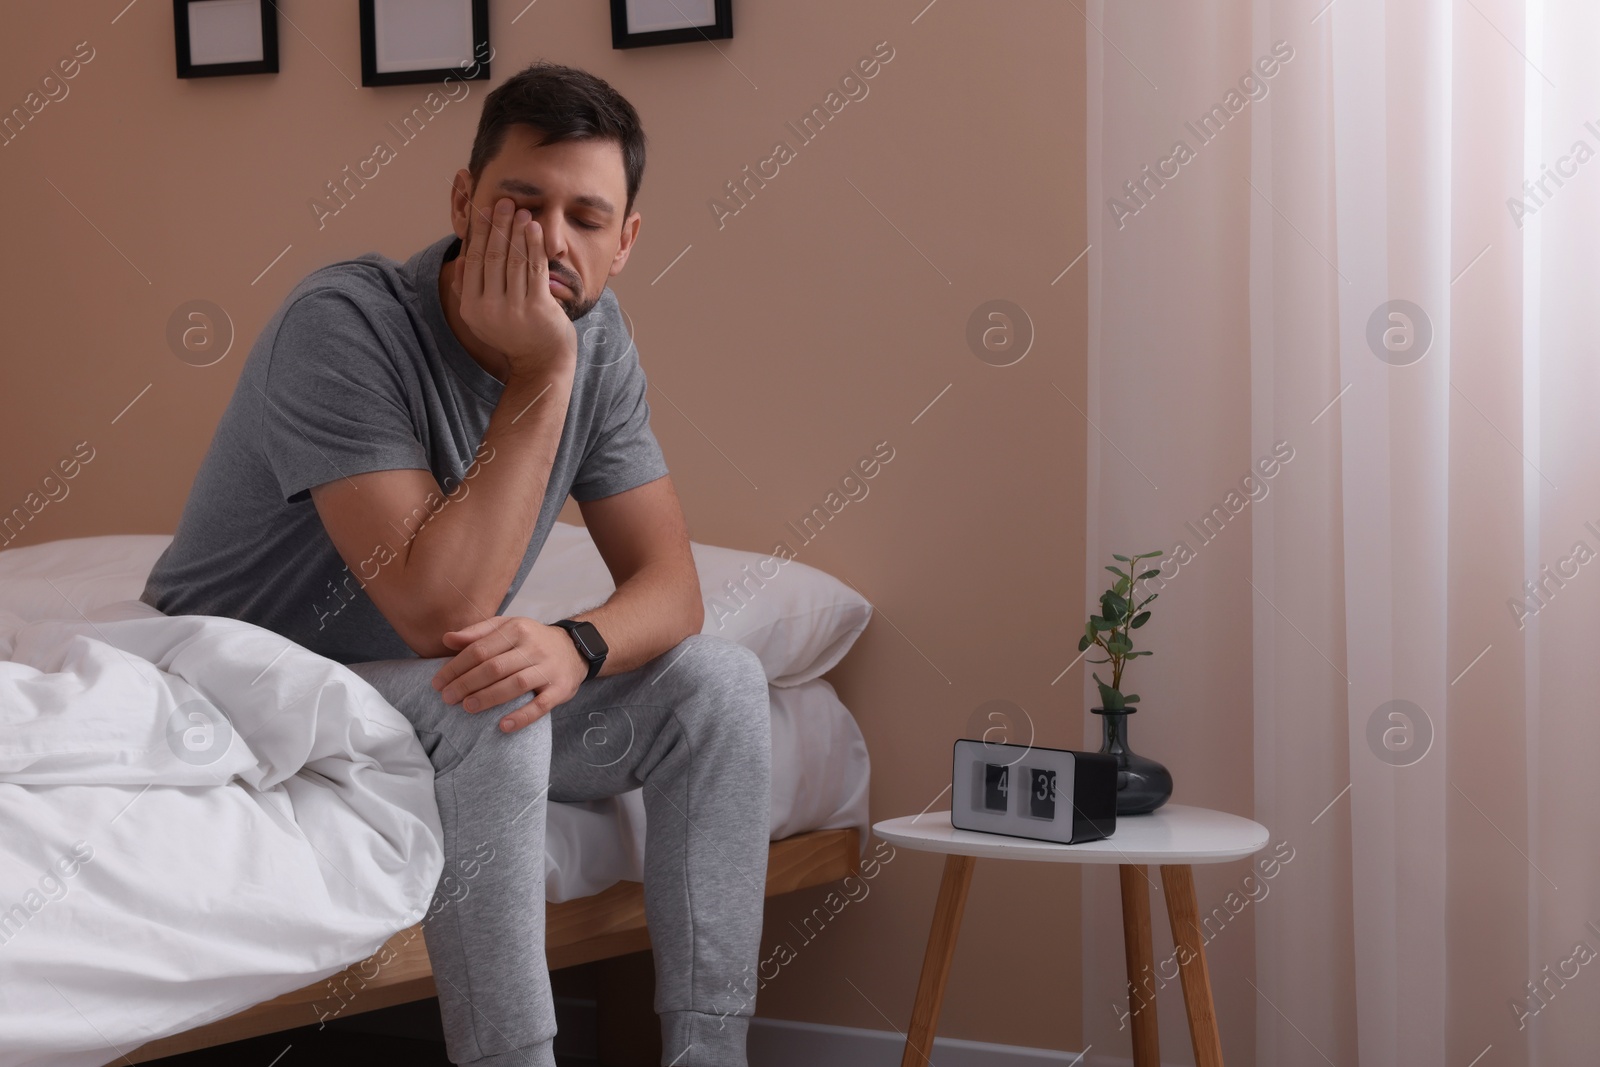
1384,248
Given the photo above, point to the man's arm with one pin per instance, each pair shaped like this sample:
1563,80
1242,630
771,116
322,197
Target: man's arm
453,568
642,536
644,541
451,564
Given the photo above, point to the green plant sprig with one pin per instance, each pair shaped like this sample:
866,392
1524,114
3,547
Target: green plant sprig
1119,616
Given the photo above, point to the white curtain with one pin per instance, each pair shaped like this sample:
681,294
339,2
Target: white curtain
1344,371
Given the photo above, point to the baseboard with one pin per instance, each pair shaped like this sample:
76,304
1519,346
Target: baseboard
780,1043
773,1042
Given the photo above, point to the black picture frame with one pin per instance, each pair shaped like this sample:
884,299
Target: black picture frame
476,69
267,64
621,37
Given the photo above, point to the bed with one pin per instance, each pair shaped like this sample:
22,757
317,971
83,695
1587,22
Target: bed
224,834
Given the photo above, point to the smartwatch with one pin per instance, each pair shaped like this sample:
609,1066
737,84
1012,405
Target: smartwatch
591,646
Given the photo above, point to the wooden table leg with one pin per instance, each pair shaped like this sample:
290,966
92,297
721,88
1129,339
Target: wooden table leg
1184,912
1141,974
936,962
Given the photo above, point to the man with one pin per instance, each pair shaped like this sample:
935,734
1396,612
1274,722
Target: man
400,441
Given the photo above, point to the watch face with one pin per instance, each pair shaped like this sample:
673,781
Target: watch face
594,646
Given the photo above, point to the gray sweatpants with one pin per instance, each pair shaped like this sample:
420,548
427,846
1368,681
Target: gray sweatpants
691,727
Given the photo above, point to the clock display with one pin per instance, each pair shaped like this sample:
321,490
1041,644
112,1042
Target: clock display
996,787
1041,793
1044,794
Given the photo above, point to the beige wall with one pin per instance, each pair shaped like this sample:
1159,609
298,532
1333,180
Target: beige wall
809,327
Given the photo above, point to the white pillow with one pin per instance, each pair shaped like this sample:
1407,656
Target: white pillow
61,579
798,620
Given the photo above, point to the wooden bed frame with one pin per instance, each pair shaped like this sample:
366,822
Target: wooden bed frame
608,924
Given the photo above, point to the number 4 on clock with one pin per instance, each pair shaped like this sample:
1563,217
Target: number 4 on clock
996,786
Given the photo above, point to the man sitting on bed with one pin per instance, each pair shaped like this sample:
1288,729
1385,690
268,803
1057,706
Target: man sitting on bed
400,441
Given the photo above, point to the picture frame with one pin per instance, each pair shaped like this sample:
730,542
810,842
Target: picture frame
640,23
214,38
404,42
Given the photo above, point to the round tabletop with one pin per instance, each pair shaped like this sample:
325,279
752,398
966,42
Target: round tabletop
1175,834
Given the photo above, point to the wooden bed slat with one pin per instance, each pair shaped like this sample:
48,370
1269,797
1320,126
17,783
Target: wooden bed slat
610,923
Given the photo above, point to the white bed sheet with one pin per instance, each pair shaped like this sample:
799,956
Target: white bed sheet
820,772
819,782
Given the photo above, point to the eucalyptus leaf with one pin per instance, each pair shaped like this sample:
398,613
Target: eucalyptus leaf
1120,613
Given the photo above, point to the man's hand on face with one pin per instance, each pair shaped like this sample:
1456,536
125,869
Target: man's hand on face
503,282
503,657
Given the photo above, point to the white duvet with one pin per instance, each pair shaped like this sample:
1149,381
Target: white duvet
195,815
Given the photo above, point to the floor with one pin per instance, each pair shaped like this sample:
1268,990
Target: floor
313,1048
413,1040
309,1048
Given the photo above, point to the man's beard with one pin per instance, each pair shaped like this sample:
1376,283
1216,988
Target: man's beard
576,308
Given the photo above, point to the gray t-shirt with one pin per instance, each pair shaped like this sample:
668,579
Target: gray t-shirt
359,371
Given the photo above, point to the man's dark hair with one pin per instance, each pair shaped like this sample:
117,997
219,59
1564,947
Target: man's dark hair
564,104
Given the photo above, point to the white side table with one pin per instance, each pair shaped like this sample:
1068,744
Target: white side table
1174,837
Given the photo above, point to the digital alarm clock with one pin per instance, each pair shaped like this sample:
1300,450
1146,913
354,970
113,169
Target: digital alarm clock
1046,794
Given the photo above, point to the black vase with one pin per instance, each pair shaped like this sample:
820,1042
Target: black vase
1143,785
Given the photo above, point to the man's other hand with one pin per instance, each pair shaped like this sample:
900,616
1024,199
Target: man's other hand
505,656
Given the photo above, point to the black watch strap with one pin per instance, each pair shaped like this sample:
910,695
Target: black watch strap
591,646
